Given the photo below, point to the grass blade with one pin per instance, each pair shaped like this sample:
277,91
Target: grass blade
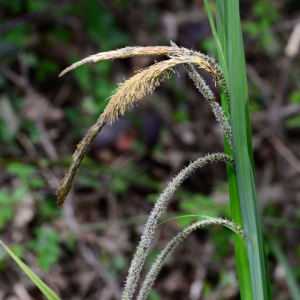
230,36
48,293
241,257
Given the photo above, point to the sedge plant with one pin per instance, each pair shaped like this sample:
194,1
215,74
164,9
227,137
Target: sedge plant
125,97
233,117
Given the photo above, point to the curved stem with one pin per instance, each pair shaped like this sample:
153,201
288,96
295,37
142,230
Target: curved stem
149,230
161,258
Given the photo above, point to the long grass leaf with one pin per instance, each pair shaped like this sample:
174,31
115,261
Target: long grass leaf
241,257
230,36
47,292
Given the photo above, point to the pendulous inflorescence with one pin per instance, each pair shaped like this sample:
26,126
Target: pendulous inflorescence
125,97
160,206
143,83
161,258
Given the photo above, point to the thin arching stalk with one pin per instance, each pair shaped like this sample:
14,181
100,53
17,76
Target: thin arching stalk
149,230
161,258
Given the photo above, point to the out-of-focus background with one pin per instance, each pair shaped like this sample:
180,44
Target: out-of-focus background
83,250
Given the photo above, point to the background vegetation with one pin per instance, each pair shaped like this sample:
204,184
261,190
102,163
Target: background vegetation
84,249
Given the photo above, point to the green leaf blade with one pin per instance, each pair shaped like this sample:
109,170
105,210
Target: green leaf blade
241,257
229,32
47,292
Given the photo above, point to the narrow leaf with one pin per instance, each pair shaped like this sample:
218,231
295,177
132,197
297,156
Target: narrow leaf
241,256
230,36
47,292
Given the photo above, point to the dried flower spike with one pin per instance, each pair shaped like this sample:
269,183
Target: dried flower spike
127,94
131,91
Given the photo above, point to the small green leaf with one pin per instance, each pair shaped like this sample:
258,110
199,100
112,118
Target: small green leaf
46,245
21,170
119,185
5,215
294,97
154,296
293,122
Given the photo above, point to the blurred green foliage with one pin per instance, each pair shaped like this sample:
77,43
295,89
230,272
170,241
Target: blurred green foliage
264,14
26,174
118,264
28,180
7,201
46,246
154,296
193,203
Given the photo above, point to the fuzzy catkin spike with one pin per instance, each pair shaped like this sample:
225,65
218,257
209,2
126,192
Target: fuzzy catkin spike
200,83
215,106
161,258
160,206
207,93
217,71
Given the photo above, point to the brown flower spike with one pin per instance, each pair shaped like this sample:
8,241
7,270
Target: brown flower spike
131,91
